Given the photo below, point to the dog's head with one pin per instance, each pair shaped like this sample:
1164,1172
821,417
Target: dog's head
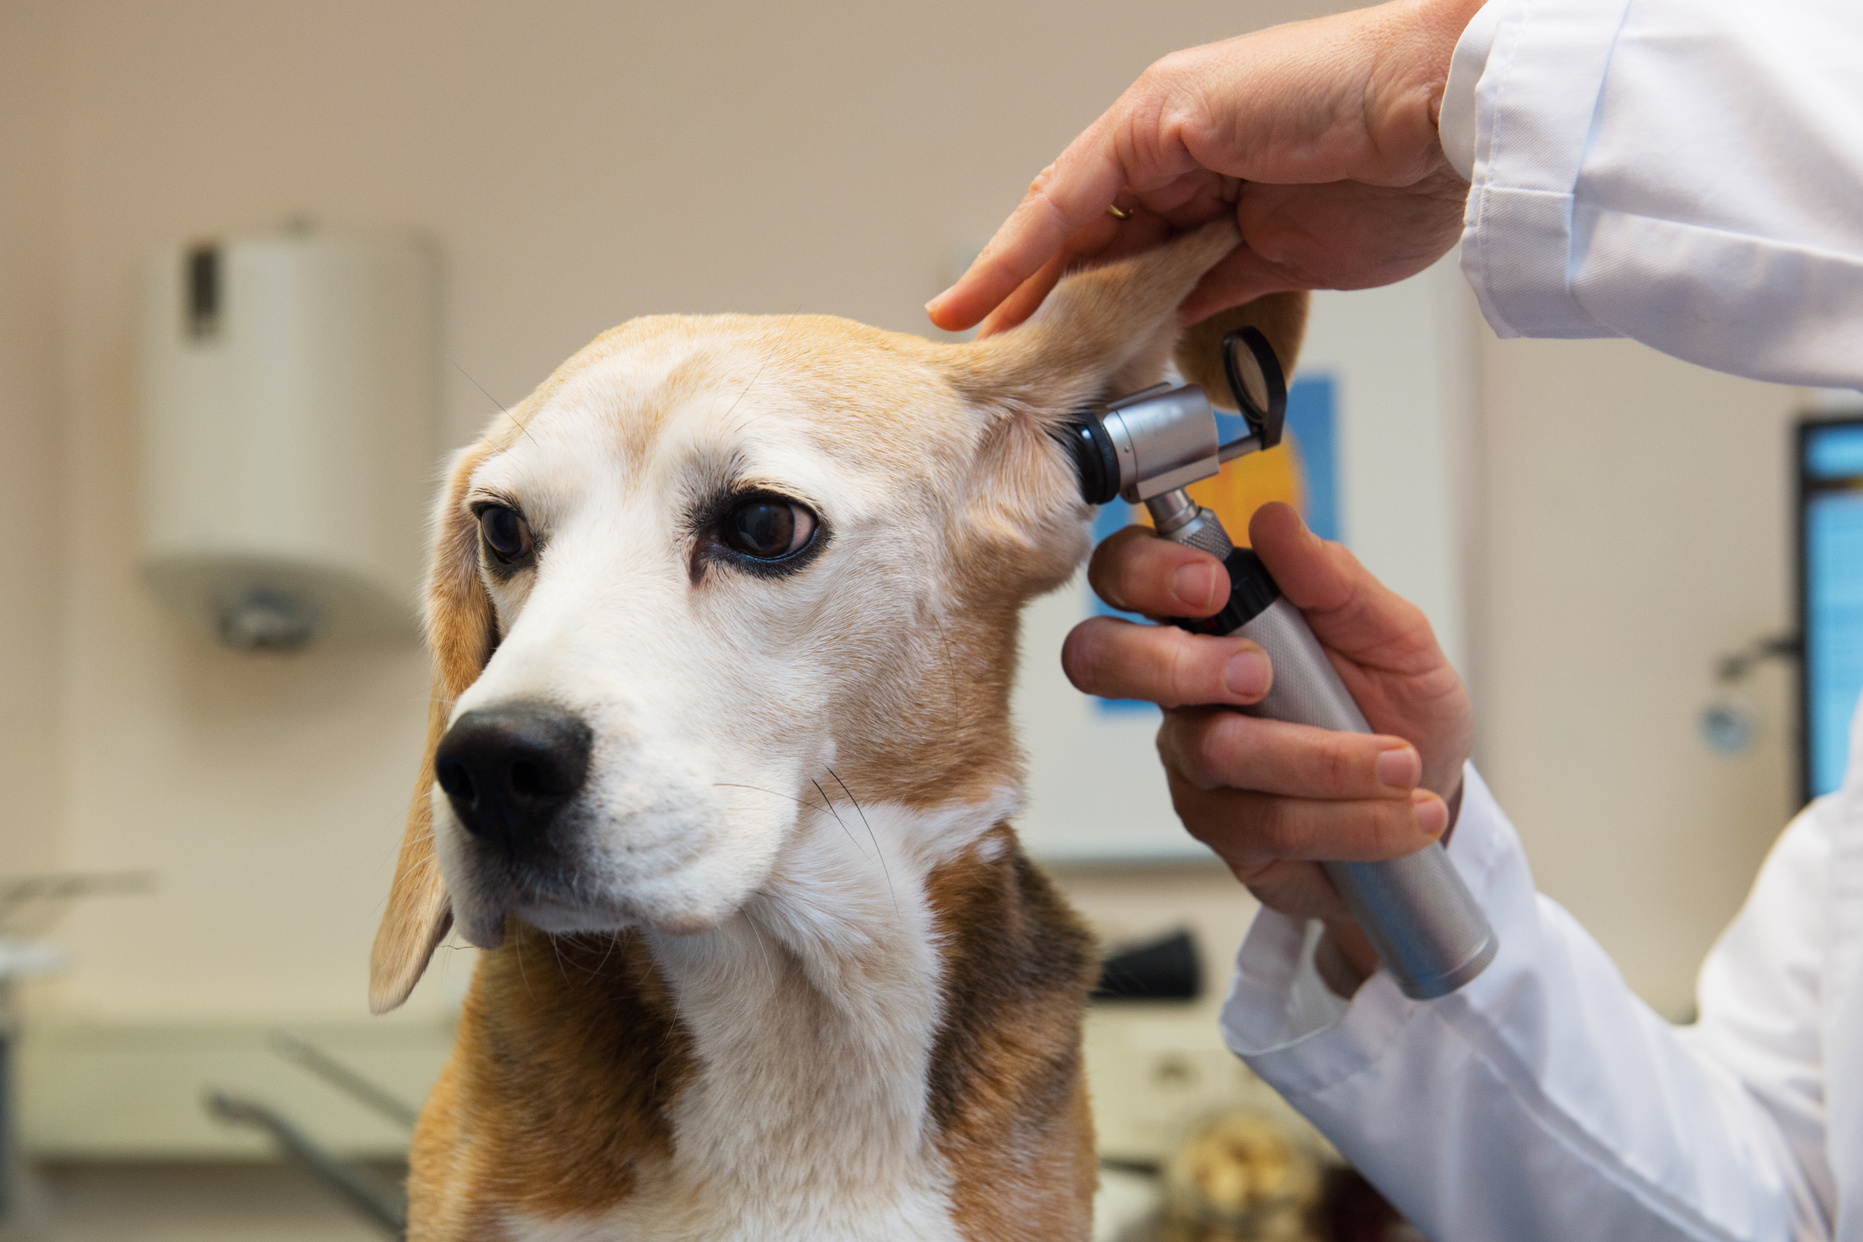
711,560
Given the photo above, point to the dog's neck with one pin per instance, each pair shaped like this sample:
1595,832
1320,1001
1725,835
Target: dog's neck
883,1042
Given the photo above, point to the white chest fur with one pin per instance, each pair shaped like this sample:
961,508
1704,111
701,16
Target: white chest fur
813,1014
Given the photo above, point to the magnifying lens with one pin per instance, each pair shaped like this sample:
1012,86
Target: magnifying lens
1259,388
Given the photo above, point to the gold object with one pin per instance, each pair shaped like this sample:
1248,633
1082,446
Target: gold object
1118,213
1242,1177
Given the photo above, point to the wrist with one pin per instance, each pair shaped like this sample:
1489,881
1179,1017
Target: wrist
1417,46
1344,958
1454,802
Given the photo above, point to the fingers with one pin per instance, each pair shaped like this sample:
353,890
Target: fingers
1273,799
1251,831
1162,664
1135,571
1080,185
1210,749
1025,299
1102,240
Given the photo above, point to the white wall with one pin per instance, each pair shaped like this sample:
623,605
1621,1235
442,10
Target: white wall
579,163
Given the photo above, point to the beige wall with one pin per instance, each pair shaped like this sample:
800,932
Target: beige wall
1634,525
578,164
30,456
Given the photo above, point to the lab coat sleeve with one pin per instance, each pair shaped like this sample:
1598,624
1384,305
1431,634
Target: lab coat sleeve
1544,1100
1684,172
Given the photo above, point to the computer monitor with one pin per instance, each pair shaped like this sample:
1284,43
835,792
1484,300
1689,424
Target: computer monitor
1830,594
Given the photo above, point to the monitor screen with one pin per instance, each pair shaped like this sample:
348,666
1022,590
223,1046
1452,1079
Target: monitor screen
1830,559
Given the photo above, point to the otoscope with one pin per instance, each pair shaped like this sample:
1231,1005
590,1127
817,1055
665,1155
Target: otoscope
1149,447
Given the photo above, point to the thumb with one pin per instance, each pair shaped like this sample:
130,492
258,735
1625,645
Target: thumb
1349,610
1305,566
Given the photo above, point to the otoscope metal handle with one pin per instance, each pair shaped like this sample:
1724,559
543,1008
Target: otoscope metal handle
1418,914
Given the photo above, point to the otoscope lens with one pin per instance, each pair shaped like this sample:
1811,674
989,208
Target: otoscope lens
1254,383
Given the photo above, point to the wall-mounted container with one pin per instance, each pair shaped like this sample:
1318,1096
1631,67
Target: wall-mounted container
288,415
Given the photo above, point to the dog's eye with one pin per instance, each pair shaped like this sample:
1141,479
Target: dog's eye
768,529
507,534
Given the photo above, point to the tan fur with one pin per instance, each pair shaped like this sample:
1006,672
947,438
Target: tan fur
577,1062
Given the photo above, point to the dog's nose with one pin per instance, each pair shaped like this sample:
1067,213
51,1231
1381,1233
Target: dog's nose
507,770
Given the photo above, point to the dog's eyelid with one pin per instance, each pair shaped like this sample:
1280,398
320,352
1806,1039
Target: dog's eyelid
478,500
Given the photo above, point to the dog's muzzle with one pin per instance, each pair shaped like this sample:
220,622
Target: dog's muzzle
510,769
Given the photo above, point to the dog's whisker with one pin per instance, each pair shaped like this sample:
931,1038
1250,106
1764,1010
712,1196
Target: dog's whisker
877,852
950,660
748,387
773,793
614,940
517,946
557,949
494,400
837,819
758,933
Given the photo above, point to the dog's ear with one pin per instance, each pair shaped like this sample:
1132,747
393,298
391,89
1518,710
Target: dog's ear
461,634
1101,333
1108,331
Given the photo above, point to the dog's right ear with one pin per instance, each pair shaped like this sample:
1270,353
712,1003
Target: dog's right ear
461,634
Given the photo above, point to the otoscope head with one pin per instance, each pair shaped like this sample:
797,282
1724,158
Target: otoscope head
1164,438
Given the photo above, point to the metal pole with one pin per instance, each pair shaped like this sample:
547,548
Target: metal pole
12,1176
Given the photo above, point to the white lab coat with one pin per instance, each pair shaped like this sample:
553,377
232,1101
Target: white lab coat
1688,173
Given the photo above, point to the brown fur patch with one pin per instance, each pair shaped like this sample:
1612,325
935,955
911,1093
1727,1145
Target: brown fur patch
1007,1090
555,1101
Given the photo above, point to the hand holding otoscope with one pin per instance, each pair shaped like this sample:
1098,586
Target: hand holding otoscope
1416,911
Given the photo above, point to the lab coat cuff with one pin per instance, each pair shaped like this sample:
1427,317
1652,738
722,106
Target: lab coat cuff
1455,121
1534,103
1270,1019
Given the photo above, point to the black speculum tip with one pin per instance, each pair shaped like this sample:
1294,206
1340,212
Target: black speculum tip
1095,460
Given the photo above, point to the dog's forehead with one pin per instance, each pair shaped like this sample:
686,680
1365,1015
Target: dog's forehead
758,390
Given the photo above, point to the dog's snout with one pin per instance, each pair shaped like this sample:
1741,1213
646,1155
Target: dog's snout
508,769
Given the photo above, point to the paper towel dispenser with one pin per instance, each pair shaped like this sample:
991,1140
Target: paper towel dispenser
288,394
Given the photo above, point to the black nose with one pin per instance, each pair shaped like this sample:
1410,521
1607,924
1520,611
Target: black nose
509,769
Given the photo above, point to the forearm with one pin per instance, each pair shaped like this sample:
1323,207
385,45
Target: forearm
1544,1101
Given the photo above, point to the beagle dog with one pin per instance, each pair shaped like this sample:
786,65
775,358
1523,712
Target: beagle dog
720,777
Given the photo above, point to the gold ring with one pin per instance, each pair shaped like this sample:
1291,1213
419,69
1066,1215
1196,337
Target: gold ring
1118,213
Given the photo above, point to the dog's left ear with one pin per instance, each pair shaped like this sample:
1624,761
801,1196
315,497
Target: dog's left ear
461,633
1109,330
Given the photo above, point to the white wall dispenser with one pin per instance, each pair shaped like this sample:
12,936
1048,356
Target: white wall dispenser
288,394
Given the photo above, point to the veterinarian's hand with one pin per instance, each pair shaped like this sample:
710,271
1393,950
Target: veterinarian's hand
1319,135
1268,796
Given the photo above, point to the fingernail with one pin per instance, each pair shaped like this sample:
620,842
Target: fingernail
1195,586
931,307
1247,674
1432,815
1399,768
